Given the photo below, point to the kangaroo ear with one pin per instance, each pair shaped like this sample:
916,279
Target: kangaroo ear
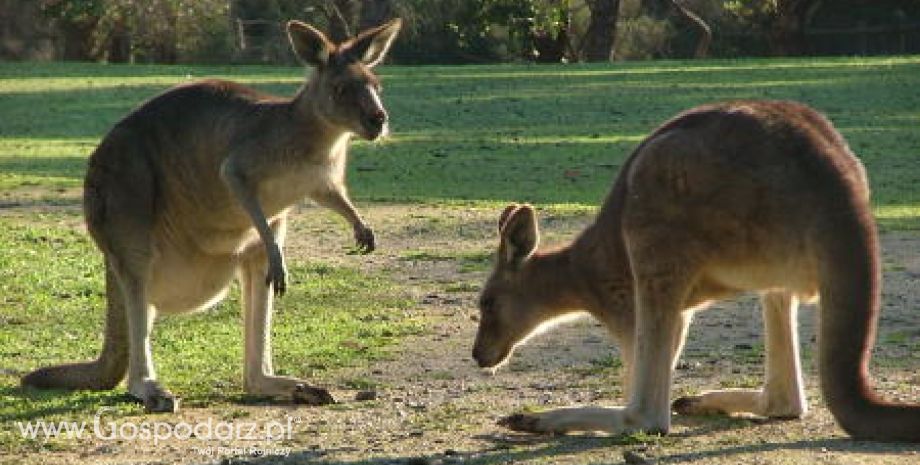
309,44
519,236
371,46
507,214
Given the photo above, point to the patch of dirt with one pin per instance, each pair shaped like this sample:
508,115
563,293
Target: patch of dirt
40,197
432,405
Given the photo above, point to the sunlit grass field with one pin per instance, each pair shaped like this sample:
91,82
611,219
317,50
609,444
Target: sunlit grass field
472,135
545,134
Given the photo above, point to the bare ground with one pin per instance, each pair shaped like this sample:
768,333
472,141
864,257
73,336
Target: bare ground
434,406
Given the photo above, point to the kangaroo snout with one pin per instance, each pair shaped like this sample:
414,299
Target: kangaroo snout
478,358
490,355
379,117
375,123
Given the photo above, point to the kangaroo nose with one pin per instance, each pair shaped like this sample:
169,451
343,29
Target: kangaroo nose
379,117
477,356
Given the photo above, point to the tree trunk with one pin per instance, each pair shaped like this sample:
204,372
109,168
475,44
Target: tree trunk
166,48
705,38
78,40
655,9
374,13
341,14
602,28
119,43
787,34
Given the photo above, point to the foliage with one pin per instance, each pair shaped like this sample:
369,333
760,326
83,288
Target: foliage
642,38
153,30
74,10
459,30
455,31
750,11
205,33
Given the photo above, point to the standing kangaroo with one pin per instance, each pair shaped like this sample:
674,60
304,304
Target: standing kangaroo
194,188
722,199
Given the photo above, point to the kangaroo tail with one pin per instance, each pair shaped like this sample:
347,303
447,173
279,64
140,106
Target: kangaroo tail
850,286
106,371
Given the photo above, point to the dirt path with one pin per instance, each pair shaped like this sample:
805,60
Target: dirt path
434,406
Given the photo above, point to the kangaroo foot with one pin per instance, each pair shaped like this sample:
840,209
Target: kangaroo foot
308,395
155,398
523,422
694,405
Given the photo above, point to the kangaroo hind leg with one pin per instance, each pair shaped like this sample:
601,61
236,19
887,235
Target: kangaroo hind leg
132,272
782,395
121,217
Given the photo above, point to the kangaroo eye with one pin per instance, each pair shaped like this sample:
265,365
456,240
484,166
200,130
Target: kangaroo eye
340,89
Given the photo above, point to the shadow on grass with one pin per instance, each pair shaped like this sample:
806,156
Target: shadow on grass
42,202
28,404
818,446
58,70
85,112
513,448
543,134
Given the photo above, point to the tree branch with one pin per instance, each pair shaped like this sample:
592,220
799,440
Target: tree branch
702,44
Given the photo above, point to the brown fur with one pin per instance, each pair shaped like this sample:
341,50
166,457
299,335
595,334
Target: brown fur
193,189
722,199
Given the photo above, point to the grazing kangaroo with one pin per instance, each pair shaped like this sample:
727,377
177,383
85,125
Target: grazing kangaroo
726,198
194,187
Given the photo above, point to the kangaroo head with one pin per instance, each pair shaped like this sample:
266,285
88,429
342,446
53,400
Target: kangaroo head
510,305
345,92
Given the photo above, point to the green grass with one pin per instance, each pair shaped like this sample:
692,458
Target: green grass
492,134
51,306
466,261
